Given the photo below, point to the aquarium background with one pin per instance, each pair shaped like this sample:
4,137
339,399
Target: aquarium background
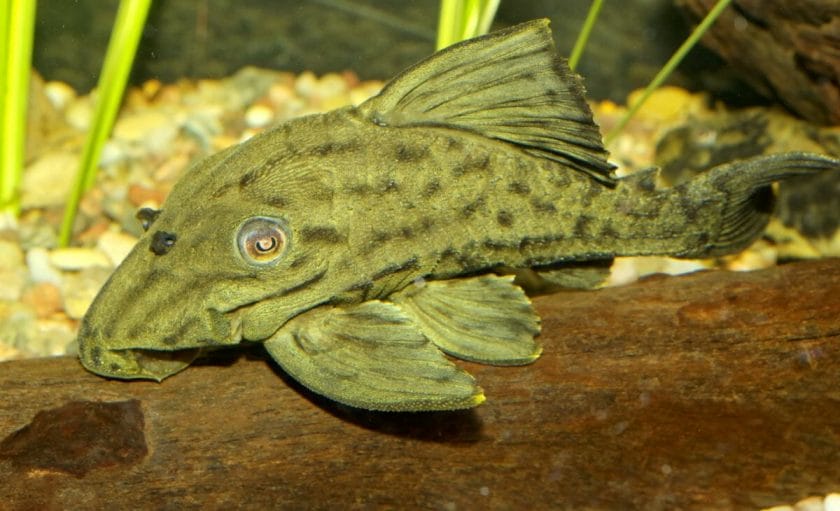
374,38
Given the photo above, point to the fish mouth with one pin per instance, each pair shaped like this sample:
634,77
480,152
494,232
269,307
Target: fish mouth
137,363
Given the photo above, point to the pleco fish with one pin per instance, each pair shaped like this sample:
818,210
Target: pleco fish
362,244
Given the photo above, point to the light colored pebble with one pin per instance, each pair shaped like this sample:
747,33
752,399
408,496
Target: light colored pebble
40,267
364,91
259,116
832,502
112,154
8,221
44,298
47,181
12,282
80,288
51,338
280,93
59,93
79,113
809,504
77,258
115,245
11,256
17,324
8,352
306,84
153,130
331,84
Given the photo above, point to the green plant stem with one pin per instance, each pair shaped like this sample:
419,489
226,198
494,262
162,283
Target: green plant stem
463,19
128,27
669,67
17,28
583,37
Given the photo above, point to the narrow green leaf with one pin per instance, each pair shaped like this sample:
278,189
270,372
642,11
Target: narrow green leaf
131,18
585,30
17,27
669,67
463,19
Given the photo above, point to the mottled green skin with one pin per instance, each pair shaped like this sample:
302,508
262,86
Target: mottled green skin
370,208
400,188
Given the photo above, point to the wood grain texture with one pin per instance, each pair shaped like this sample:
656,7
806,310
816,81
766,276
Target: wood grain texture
713,390
786,51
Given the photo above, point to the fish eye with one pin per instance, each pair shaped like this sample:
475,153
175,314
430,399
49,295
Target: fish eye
262,240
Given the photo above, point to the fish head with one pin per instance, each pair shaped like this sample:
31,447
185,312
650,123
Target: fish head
225,259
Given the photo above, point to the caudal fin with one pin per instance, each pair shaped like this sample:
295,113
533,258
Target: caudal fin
747,199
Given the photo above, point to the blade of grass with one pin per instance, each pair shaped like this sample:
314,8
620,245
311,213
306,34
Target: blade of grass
131,17
583,37
487,13
669,67
17,27
463,19
448,22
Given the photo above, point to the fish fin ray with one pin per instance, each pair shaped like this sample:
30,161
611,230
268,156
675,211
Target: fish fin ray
509,85
371,356
484,319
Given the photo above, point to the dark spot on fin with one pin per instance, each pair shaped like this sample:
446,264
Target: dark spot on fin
162,242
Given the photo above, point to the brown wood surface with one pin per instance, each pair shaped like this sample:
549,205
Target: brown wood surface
713,390
786,50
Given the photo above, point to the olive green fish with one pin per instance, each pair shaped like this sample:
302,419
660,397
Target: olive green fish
361,245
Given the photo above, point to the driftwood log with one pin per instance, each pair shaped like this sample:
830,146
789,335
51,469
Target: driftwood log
786,51
713,390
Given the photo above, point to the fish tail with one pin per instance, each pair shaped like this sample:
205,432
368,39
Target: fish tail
742,196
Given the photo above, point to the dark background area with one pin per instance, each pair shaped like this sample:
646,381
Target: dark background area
374,38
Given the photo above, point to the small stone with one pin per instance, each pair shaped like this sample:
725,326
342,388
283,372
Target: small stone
306,84
113,153
40,267
809,504
115,245
364,92
80,288
17,324
832,502
38,228
11,256
8,352
12,283
47,181
44,298
151,129
259,116
59,93
78,258
138,194
280,93
668,104
79,112
331,84
52,338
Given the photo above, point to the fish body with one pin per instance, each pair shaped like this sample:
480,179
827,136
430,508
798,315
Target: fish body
361,244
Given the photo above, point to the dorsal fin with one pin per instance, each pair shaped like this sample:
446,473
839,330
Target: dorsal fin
509,85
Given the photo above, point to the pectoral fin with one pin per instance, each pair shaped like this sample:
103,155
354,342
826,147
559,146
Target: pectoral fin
484,319
371,356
